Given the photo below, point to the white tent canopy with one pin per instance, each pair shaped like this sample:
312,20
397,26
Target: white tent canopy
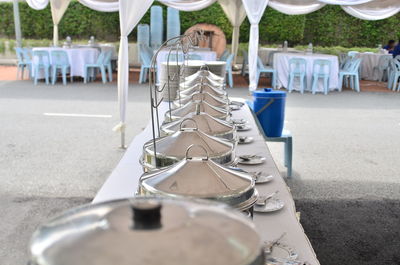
131,11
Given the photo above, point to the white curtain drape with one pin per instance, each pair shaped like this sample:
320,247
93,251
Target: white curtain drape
130,13
37,4
254,10
295,7
236,14
184,5
102,6
58,8
374,10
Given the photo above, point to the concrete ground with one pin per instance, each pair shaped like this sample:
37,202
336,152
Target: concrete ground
346,163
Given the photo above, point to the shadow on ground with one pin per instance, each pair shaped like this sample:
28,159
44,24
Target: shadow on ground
365,232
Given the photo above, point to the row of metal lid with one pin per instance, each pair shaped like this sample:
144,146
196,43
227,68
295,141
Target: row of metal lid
169,222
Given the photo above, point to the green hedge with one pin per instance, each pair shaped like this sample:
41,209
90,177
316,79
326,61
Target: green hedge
329,26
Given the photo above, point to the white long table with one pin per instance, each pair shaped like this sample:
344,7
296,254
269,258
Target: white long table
123,183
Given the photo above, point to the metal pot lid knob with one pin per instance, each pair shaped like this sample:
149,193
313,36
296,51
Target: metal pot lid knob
196,145
146,215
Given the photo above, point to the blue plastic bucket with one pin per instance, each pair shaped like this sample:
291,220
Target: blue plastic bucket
269,107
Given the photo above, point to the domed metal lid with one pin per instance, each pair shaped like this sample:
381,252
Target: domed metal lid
204,73
191,106
204,122
200,177
175,145
217,85
149,231
204,96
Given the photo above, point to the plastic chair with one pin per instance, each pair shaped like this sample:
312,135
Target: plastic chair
194,56
261,68
228,61
319,71
143,37
41,60
156,26
383,66
173,23
297,68
60,61
24,60
107,64
145,60
394,74
245,62
352,73
287,139
342,59
352,54
224,56
99,64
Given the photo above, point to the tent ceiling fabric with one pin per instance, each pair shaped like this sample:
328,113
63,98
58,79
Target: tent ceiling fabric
345,2
374,10
293,7
101,5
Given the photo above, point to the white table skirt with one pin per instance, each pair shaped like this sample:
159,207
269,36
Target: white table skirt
369,61
78,57
281,65
123,183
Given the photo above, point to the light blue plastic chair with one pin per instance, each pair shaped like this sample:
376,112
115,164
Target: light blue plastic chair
261,68
145,60
173,23
352,54
107,64
297,68
41,60
383,67
24,60
143,37
228,61
194,56
60,61
99,64
156,27
394,74
224,56
352,74
321,69
245,62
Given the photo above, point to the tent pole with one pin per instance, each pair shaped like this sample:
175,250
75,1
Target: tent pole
17,23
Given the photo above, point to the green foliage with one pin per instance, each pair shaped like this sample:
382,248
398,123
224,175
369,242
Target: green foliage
329,26
2,47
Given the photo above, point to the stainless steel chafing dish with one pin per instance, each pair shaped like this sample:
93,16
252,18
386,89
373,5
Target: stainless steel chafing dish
205,96
203,87
205,123
178,113
148,231
168,150
199,177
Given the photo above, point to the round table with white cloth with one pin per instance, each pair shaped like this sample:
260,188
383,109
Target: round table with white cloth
368,62
281,65
77,57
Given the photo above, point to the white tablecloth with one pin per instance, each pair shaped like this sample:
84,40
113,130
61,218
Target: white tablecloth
265,53
205,56
123,183
369,61
281,65
78,57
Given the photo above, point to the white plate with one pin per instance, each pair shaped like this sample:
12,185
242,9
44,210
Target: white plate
264,179
272,205
245,139
239,121
242,127
256,160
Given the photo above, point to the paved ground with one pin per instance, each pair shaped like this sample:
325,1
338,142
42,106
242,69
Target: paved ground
346,163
